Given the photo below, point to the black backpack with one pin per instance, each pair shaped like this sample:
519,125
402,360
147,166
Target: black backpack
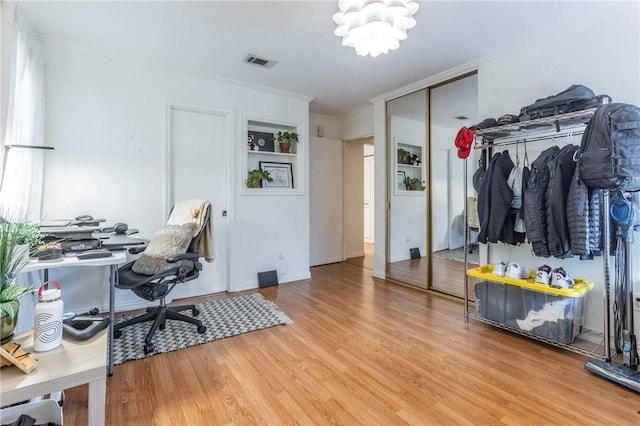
609,156
574,98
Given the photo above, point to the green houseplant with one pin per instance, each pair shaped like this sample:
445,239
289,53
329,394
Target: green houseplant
16,241
415,184
285,139
403,156
256,176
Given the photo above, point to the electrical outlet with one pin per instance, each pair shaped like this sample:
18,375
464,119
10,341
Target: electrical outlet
636,304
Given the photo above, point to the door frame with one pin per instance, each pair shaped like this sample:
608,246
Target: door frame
171,105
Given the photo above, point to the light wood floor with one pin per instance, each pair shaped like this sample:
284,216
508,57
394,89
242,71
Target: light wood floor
365,261
362,351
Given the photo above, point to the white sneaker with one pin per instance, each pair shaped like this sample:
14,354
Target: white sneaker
500,268
543,275
514,270
560,279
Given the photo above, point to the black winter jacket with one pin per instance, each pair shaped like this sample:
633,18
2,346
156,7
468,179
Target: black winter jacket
584,218
501,197
484,199
533,202
561,171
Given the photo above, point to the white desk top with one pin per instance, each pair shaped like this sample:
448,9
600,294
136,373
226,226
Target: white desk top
69,365
118,258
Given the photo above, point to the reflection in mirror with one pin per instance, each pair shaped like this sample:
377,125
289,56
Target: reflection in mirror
451,106
407,252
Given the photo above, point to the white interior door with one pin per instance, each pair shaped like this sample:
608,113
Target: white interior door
368,198
198,164
440,199
325,200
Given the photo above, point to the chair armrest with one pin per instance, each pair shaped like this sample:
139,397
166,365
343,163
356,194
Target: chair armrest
138,249
184,256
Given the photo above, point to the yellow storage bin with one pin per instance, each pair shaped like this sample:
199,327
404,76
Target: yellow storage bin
522,304
485,272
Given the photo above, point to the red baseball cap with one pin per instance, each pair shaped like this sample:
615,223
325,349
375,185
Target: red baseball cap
464,140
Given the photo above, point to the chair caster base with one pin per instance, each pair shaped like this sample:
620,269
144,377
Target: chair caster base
148,349
202,329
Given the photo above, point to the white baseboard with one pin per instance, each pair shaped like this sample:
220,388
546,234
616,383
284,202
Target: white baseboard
377,274
253,284
355,254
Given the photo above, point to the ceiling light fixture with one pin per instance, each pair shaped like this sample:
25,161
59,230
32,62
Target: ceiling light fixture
373,27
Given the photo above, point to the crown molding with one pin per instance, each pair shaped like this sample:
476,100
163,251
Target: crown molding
319,116
149,62
429,81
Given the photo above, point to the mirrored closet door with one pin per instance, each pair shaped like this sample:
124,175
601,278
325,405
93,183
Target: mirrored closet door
452,105
425,221
407,239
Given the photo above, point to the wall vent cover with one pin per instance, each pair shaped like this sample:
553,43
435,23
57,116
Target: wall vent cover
257,60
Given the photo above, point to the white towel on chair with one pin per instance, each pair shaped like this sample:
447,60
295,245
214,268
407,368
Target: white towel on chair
194,211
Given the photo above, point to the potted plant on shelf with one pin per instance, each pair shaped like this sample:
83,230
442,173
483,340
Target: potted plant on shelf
414,184
285,139
16,240
256,176
404,156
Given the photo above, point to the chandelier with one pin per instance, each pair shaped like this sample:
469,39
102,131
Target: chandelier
373,27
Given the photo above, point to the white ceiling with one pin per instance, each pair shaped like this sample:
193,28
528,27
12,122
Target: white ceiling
214,36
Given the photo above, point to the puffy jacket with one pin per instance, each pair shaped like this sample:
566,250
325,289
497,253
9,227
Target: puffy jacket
561,171
533,202
584,218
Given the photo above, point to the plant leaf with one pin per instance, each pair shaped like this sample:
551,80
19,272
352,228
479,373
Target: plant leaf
10,309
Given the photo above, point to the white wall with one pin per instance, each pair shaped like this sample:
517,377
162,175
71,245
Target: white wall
356,125
325,200
408,209
105,116
329,126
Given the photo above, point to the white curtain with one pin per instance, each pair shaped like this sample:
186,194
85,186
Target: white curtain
22,177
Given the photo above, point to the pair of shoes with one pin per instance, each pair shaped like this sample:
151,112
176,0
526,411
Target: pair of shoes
543,274
517,271
511,269
500,268
561,279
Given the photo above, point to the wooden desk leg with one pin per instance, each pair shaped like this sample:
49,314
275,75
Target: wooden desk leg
97,402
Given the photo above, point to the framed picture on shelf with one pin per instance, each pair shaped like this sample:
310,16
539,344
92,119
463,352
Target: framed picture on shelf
400,178
263,141
281,173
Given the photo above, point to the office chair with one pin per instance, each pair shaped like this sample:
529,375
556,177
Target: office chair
176,269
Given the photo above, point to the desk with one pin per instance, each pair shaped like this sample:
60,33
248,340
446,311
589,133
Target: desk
69,365
118,258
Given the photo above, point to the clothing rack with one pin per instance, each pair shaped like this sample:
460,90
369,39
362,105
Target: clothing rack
515,141
548,128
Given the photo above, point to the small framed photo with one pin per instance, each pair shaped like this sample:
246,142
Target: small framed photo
281,173
400,178
263,141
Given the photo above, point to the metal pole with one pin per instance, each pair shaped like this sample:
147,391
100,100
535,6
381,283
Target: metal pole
606,248
466,245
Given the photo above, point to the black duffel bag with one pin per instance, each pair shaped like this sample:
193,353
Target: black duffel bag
575,98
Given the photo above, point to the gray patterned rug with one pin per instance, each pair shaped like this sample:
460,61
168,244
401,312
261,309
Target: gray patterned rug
458,255
223,318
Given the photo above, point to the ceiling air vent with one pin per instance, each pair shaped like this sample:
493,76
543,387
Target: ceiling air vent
256,60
